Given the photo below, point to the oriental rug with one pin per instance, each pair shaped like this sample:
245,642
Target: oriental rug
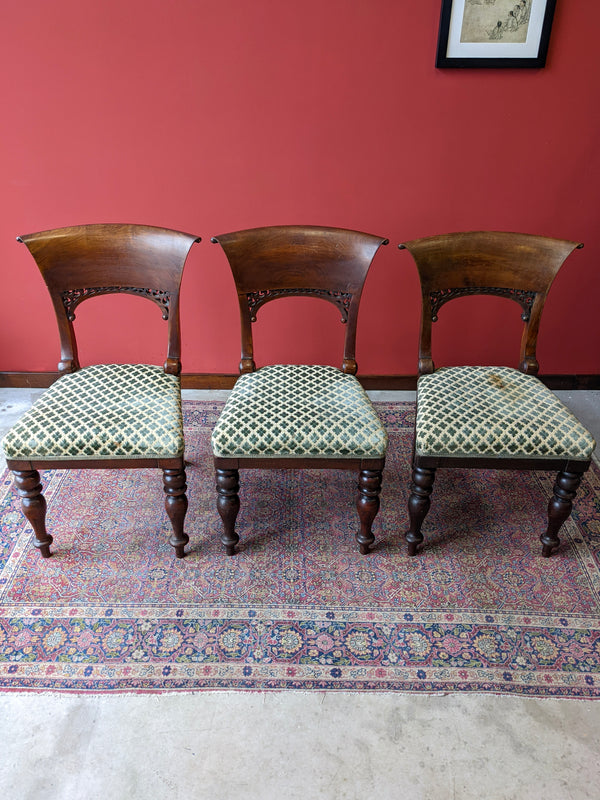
298,607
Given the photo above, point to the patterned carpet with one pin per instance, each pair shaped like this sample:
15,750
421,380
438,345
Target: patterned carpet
298,607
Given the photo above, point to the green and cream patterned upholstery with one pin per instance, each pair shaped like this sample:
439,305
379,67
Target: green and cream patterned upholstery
103,411
299,411
495,411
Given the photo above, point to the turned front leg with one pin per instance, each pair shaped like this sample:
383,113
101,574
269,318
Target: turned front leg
418,505
367,504
33,504
228,505
559,509
176,504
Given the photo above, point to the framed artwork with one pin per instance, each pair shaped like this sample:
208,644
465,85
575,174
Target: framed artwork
494,33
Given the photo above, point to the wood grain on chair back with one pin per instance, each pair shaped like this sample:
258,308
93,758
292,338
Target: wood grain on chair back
518,266
299,261
85,261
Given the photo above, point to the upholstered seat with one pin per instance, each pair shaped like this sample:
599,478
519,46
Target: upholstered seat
299,411
495,411
104,411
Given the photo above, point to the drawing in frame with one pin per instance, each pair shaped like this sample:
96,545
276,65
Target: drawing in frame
494,33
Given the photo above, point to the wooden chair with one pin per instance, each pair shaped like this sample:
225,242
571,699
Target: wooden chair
299,416
492,417
105,416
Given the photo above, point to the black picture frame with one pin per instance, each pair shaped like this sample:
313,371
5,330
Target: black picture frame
452,52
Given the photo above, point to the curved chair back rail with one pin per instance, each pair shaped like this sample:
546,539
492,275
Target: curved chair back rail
84,261
299,261
518,266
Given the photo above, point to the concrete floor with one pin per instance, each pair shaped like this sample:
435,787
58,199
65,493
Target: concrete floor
334,746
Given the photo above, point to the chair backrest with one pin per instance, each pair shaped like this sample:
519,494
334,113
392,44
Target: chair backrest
85,261
517,266
299,261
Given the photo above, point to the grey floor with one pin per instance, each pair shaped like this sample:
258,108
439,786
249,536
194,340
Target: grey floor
335,746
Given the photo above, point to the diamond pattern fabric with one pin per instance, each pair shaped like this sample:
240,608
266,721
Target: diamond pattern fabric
299,410
103,411
495,411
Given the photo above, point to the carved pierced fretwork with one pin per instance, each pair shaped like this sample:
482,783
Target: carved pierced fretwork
523,298
257,299
72,297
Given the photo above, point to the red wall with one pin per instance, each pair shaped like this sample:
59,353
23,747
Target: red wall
212,116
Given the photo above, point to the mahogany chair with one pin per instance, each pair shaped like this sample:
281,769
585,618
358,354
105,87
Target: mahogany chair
289,416
106,416
492,417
